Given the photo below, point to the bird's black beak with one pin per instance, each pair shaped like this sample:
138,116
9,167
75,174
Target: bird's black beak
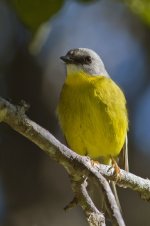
66,59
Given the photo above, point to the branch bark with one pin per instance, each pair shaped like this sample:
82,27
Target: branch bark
77,166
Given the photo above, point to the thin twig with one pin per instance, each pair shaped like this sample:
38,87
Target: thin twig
127,180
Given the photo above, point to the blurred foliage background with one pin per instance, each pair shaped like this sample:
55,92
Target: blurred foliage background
33,35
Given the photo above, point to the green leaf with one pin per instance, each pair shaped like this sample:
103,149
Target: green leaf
141,8
34,12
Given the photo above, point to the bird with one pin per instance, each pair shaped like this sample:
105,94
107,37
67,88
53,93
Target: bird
92,110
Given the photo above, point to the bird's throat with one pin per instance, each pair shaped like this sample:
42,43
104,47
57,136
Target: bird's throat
76,76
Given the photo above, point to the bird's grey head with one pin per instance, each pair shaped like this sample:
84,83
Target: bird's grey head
86,60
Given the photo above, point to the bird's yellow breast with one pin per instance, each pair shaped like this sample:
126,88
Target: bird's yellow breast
92,114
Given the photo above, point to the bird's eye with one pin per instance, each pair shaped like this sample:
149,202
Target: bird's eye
71,53
88,59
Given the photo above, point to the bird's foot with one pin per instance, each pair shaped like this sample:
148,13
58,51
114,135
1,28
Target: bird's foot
94,162
116,169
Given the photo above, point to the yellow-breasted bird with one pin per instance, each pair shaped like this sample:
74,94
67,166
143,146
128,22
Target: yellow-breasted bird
92,108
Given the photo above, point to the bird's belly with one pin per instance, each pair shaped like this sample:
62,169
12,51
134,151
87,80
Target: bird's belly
92,131
94,141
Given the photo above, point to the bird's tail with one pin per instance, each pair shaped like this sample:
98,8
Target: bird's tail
114,190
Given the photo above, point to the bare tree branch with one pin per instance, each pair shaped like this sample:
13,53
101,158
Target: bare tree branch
93,215
77,166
